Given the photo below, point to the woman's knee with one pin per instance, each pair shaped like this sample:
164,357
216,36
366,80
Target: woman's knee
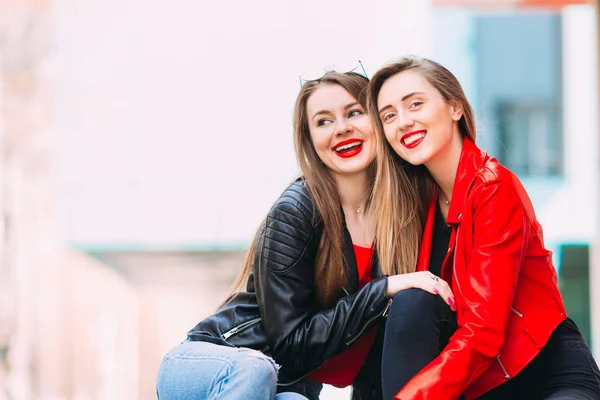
416,300
185,369
205,370
418,309
254,366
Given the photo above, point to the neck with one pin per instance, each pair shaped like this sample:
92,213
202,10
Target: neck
353,191
443,168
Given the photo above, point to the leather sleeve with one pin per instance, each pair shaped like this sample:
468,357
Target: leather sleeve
299,337
500,237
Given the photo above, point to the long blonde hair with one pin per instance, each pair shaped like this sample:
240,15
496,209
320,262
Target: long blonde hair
402,191
330,263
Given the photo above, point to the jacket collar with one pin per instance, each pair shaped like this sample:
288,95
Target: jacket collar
472,159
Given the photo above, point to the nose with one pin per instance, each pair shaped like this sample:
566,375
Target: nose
343,127
405,120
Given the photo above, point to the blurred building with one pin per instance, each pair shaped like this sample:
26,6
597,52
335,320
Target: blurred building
532,79
129,129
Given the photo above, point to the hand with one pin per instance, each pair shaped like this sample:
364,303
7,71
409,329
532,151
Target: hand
424,280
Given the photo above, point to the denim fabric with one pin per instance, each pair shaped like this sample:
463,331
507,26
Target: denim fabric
202,371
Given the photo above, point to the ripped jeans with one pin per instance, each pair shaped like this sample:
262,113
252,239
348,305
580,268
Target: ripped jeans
202,370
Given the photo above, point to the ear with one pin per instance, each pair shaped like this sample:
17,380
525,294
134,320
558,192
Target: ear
456,110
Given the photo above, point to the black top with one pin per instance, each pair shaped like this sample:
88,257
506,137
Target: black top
439,243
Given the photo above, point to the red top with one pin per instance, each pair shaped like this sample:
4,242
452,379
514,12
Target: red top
342,369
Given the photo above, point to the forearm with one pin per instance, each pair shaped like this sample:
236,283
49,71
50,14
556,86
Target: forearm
310,339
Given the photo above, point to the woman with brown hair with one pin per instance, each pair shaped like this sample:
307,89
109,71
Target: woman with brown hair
510,337
315,292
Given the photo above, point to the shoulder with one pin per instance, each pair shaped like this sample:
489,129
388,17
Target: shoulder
288,229
495,181
296,202
494,174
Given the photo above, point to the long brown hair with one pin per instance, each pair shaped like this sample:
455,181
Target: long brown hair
402,191
329,266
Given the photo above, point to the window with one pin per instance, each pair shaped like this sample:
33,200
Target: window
529,134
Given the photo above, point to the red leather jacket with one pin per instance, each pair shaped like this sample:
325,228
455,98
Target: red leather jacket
508,302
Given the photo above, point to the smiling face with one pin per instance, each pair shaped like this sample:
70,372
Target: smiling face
340,130
418,122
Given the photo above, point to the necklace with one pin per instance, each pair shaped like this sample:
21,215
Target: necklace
447,201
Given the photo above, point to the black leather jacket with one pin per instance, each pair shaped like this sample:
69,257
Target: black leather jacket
277,312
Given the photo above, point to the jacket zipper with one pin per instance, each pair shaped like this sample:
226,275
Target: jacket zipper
240,327
506,374
386,310
516,312
364,328
454,261
456,279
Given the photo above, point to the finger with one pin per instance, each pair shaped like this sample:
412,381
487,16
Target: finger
446,293
431,283
434,285
443,285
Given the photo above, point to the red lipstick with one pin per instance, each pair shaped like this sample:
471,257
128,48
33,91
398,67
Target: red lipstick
355,146
417,142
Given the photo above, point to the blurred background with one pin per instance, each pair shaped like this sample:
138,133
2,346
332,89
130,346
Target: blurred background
142,143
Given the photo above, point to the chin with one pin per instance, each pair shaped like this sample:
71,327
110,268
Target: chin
416,159
351,170
415,162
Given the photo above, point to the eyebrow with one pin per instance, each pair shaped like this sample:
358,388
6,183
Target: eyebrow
411,95
404,98
347,106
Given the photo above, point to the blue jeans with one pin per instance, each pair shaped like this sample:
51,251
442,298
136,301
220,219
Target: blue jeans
202,370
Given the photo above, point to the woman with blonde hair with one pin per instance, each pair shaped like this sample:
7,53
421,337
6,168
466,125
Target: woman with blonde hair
510,337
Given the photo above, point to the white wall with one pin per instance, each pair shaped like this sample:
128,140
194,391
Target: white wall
175,118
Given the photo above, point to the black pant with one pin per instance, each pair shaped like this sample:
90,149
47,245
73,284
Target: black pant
420,324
